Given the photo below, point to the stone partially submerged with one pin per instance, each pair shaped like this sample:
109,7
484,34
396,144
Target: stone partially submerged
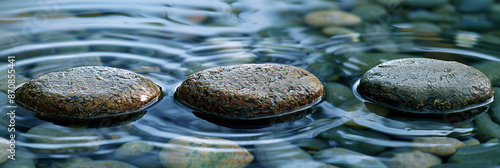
87,92
426,86
250,90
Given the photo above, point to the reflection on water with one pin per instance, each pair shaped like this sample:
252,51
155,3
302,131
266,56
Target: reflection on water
167,41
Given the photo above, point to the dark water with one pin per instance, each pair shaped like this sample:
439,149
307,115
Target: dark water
169,40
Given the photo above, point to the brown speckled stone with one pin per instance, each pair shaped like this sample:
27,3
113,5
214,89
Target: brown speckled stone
425,85
250,90
87,92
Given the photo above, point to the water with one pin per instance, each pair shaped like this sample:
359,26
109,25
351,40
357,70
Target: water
169,40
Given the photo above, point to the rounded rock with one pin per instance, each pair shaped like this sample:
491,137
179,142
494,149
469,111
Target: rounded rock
414,159
425,3
425,85
440,146
331,18
88,91
188,151
133,149
250,90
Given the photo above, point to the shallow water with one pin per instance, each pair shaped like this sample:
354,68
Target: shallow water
167,41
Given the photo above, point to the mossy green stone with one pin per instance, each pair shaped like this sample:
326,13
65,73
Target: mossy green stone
425,85
89,91
250,90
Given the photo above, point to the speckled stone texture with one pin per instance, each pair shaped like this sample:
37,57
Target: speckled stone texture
250,90
87,92
425,85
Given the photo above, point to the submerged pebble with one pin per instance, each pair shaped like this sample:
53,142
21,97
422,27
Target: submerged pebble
415,159
250,90
102,163
133,149
425,85
188,151
439,146
331,18
484,153
89,91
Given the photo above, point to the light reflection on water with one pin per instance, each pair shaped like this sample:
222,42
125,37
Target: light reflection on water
167,41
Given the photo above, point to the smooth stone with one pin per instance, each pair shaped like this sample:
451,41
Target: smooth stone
189,151
250,90
472,5
63,140
305,164
4,153
494,13
365,144
425,3
484,153
370,12
133,149
411,85
440,146
486,128
471,142
310,144
69,161
346,158
89,91
414,159
102,164
272,155
337,30
465,165
331,18
336,93
424,15
494,140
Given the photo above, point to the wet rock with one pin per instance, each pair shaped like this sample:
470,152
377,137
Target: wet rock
250,90
102,163
58,139
310,144
486,128
425,3
188,151
359,64
331,18
305,164
133,149
364,141
472,5
337,30
425,85
337,93
69,161
439,146
464,165
489,69
484,153
471,142
414,159
494,140
370,12
346,158
272,155
90,91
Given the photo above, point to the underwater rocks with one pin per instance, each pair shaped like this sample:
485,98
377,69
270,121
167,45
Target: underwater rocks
250,90
133,149
86,92
414,159
485,153
331,18
189,151
425,85
439,146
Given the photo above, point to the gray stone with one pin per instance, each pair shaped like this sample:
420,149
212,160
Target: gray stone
370,12
346,158
337,30
250,90
425,3
87,92
331,18
272,155
440,146
133,149
414,159
63,140
102,164
189,151
472,5
364,144
425,85
336,93
484,153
